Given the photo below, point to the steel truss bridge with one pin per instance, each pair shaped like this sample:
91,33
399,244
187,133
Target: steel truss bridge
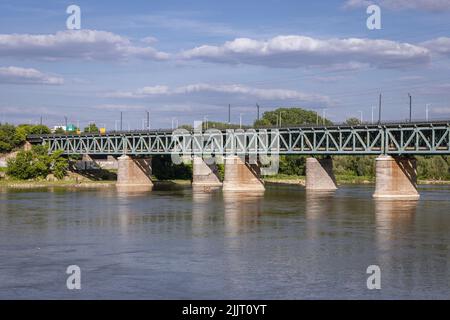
419,138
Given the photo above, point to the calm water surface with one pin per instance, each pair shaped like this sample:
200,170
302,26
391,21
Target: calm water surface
180,244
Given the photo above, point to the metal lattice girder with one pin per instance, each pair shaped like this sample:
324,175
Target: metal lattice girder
432,138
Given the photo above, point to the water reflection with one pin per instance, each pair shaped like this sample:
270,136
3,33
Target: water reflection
318,203
241,210
394,219
201,212
132,191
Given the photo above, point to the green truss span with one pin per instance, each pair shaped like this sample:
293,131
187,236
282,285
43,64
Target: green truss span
430,138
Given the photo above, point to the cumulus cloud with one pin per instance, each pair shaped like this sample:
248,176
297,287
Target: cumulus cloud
440,45
80,44
296,51
231,89
426,5
17,75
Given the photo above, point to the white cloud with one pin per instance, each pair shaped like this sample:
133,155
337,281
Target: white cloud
297,51
231,89
17,75
426,5
149,40
80,44
440,45
116,107
441,110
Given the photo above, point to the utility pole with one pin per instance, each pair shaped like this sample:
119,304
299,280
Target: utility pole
229,114
121,120
379,110
361,116
240,120
205,122
257,107
410,107
148,120
372,114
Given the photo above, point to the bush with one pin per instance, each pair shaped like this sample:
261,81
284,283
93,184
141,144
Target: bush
37,163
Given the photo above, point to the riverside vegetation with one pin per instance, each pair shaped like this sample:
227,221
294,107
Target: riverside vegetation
37,164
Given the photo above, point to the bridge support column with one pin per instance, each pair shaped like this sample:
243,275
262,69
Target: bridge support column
319,174
204,175
134,172
241,176
396,178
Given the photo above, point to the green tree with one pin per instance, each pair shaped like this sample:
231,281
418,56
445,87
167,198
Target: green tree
91,128
352,122
7,137
291,116
40,129
60,131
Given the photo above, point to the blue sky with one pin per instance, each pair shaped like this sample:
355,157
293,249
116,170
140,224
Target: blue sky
184,60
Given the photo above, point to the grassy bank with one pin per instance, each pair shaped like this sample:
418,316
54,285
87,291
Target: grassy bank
71,183
296,179
340,179
26,184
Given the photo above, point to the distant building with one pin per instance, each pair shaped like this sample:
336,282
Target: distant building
71,128
58,127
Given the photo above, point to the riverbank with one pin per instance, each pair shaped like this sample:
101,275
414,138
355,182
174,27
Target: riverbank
275,180
25,184
340,179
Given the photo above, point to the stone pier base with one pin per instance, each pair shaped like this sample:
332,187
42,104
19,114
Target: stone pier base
204,175
396,178
134,172
319,174
241,176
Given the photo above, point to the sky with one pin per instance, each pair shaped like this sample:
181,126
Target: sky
185,61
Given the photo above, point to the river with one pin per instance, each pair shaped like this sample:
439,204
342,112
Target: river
173,243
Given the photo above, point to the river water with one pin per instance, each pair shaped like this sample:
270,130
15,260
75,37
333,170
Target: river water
173,243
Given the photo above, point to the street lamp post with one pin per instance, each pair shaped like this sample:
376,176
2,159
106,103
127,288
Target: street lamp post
410,107
205,120
372,113
361,116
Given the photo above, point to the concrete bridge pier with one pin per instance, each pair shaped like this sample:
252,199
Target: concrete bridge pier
319,174
242,176
203,174
396,178
134,172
